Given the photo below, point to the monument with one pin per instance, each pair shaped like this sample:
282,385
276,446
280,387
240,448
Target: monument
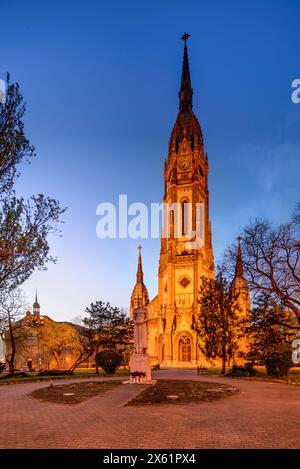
139,363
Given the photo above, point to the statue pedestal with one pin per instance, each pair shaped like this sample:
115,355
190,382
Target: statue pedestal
139,362
140,369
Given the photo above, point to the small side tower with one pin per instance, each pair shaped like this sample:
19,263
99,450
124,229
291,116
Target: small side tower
36,306
241,288
240,284
139,296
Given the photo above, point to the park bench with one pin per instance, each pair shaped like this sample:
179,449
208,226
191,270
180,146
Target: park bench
201,369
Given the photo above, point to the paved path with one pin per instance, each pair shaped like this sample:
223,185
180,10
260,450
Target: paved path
263,415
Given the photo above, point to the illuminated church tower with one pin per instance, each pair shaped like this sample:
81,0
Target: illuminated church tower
186,253
182,263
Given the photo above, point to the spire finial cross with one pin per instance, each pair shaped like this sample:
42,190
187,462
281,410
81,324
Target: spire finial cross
140,248
185,37
239,238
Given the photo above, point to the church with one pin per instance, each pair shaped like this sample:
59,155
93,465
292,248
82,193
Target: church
171,338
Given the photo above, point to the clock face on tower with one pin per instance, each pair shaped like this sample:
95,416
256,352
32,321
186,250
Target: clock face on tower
184,165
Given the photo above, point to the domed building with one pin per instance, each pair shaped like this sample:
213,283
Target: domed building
42,343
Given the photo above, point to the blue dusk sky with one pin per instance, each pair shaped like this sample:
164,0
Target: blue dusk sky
101,82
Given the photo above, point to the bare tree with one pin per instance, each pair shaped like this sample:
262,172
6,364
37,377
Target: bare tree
24,225
296,218
12,307
24,230
14,145
271,260
83,347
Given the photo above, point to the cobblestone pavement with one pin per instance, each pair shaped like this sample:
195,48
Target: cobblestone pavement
262,415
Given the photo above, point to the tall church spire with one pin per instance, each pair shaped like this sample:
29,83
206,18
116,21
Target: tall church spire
239,273
36,306
139,297
186,91
240,284
139,274
186,125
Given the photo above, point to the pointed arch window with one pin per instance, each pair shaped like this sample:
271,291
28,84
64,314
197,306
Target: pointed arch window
192,143
184,217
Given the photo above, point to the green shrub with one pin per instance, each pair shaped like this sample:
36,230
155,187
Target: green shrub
278,360
15,374
54,372
109,360
244,370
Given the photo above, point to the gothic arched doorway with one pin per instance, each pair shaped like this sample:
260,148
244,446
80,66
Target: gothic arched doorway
184,349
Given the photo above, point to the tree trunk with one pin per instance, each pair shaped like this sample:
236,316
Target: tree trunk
57,359
11,361
223,365
82,358
77,362
223,359
96,364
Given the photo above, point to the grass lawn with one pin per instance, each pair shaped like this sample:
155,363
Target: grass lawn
72,393
292,378
82,373
181,392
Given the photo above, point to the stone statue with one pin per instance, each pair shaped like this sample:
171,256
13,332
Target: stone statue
140,319
139,362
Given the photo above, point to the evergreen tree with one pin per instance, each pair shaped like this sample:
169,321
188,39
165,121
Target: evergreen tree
270,337
218,324
111,328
